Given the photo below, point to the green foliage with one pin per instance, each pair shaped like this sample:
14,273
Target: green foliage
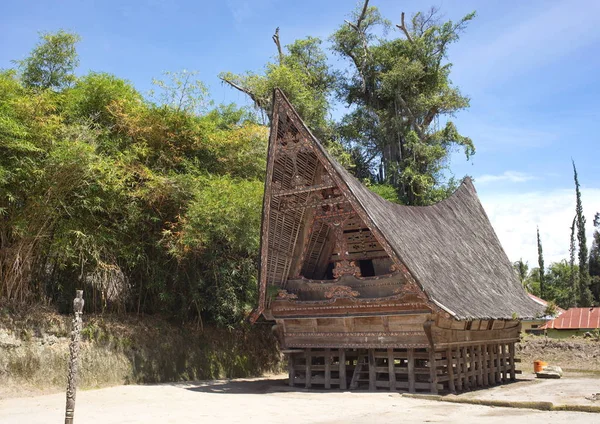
541,269
384,190
150,206
595,260
400,88
584,293
52,62
522,269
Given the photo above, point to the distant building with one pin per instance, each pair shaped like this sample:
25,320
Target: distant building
534,325
575,321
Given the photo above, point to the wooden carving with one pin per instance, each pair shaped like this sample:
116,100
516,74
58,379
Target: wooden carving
341,292
74,357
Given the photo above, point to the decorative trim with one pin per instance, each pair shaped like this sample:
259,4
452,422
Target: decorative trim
341,292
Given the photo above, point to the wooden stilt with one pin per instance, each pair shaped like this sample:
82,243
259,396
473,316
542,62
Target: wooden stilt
459,369
391,369
503,363
342,370
411,371
450,367
433,378
492,364
328,368
372,370
291,370
486,366
511,349
464,370
308,373
479,366
360,362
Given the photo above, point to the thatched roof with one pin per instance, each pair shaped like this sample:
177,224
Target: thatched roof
450,248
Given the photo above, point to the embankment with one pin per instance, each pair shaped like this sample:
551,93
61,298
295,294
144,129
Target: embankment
119,349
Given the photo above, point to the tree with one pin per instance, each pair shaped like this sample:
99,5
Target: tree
52,62
585,295
541,265
574,283
522,269
595,260
400,90
301,71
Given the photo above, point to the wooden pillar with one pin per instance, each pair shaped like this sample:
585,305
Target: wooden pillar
433,378
308,377
291,370
372,370
450,367
342,370
411,370
391,369
479,366
492,349
465,370
328,368
511,349
459,369
74,356
503,362
486,366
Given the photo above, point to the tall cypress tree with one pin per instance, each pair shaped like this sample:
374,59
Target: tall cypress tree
541,265
595,261
573,280
585,295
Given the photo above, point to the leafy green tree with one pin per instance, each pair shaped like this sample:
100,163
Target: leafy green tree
585,295
400,91
558,284
302,73
52,62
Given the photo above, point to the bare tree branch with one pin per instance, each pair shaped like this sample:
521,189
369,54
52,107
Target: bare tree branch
361,34
254,98
278,44
363,13
402,26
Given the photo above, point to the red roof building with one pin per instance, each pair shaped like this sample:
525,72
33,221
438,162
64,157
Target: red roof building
575,319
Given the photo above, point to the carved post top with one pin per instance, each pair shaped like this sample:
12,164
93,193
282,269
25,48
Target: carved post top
78,302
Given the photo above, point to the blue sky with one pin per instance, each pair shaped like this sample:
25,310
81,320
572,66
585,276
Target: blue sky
531,70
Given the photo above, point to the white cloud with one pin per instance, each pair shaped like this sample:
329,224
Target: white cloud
507,176
515,217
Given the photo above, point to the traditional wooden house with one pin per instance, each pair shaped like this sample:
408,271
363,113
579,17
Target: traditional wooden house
368,293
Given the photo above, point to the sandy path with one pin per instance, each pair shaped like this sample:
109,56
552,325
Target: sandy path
264,401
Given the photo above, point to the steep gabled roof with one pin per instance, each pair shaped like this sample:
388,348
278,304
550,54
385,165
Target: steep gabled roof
450,248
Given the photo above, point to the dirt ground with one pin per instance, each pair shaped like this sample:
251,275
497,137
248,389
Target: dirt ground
573,354
269,400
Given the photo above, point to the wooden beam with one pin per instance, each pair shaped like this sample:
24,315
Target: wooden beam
342,370
391,369
411,370
372,371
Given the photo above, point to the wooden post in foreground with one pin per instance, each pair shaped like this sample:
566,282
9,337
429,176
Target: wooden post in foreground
74,357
